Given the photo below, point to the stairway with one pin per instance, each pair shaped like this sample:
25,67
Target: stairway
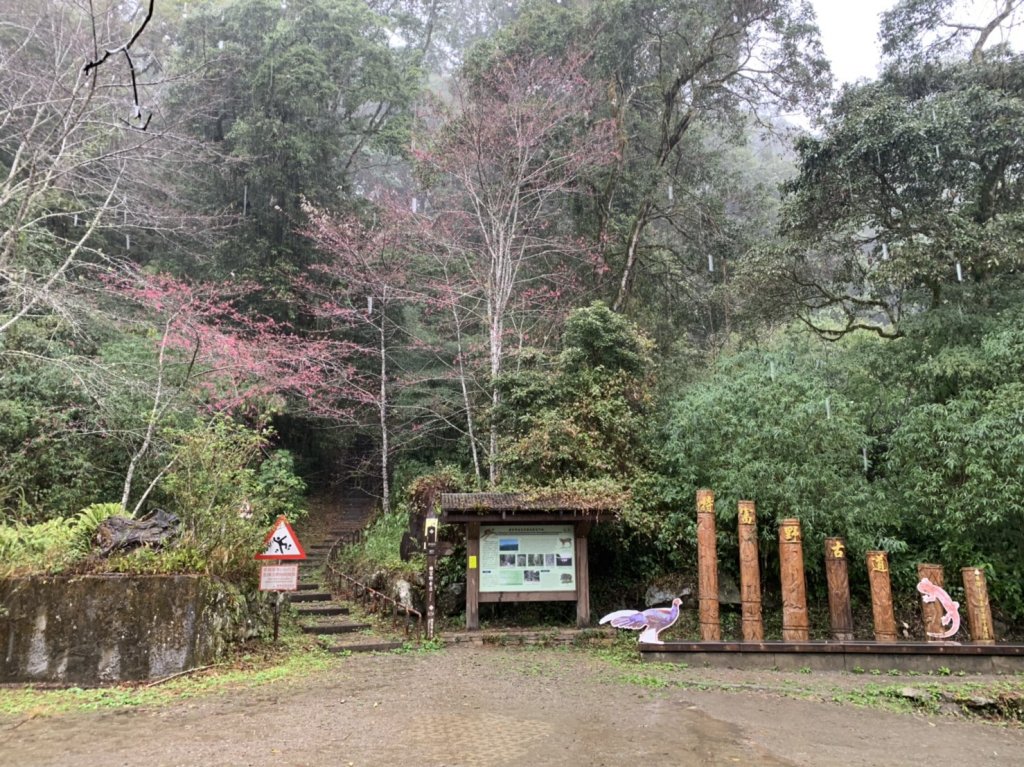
317,611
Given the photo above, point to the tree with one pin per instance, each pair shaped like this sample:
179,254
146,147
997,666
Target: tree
67,152
299,98
202,359
360,299
912,193
584,415
514,150
781,425
935,29
684,77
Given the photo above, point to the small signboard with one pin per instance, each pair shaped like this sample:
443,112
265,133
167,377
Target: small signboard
281,543
279,578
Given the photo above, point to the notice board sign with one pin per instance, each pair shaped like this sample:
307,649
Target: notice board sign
527,558
279,578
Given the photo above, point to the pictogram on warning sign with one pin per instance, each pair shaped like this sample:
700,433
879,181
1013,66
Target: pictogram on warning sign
282,543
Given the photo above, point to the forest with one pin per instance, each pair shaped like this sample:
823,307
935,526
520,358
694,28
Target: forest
252,249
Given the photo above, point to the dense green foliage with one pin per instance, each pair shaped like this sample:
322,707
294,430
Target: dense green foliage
913,446
401,240
584,414
913,190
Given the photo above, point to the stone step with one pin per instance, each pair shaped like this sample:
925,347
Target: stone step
310,586
332,628
372,646
309,596
325,610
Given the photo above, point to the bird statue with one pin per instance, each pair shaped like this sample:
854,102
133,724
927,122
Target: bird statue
652,621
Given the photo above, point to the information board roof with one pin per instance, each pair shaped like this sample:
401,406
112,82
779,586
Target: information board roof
556,505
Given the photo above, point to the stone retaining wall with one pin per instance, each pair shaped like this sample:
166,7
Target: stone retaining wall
95,629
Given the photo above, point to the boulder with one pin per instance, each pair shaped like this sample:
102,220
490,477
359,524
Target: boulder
728,590
401,592
663,593
452,599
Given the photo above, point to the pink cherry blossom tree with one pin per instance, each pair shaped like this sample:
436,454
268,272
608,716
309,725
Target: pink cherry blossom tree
505,160
209,355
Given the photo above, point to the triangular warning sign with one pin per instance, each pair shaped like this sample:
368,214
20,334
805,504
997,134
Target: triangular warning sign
282,543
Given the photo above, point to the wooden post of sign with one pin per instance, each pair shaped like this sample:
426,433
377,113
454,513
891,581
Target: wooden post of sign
751,626
796,626
979,611
707,567
838,577
277,615
432,588
582,575
473,576
881,596
931,612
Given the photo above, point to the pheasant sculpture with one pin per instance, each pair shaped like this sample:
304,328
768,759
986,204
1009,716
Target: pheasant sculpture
652,621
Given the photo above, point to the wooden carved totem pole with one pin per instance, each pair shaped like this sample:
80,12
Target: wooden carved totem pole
932,612
837,573
795,622
979,611
707,567
881,596
752,628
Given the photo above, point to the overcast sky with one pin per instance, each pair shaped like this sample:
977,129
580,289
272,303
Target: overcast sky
849,33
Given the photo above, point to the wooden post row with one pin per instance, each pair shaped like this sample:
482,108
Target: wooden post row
979,611
838,577
881,596
751,627
707,567
931,612
795,622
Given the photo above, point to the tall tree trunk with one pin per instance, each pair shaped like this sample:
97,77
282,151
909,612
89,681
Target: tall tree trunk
385,500
632,255
496,330
465,399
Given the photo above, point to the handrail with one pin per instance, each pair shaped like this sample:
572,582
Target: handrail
366,594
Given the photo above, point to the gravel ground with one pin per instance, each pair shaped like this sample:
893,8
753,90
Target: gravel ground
492,707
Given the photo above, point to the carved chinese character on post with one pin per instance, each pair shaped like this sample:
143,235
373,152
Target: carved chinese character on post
838,577
795,622
751,626
881,596
707,567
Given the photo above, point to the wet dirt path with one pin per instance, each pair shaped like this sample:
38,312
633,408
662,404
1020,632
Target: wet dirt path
478,707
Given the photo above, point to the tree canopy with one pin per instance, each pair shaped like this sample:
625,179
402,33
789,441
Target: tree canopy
543,243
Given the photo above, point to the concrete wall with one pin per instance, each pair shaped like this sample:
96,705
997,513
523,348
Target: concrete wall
94,629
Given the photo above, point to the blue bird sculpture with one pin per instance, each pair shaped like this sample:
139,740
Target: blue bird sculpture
652,621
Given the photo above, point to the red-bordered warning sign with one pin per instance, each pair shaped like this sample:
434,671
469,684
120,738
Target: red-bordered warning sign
282,543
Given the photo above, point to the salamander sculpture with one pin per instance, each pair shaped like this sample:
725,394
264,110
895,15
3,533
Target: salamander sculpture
932,593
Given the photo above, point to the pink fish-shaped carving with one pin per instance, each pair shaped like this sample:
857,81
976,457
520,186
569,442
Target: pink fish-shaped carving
932,593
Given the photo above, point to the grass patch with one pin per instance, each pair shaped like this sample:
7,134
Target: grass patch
295,659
